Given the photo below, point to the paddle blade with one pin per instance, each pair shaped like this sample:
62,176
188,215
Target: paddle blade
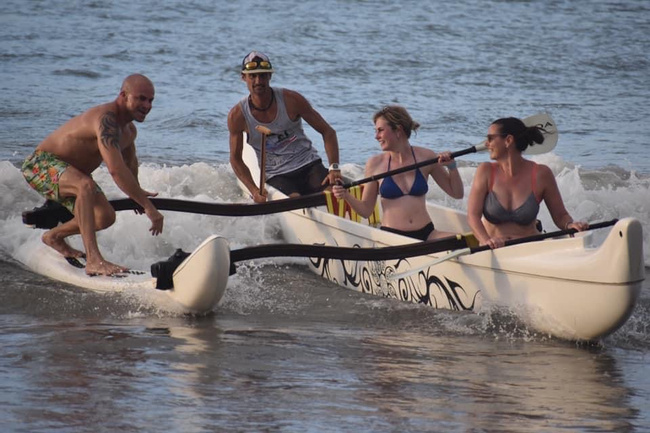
545,121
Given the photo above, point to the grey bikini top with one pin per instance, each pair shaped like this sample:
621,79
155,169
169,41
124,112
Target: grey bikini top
494,212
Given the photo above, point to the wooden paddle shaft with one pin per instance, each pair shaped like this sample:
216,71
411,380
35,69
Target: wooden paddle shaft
264,131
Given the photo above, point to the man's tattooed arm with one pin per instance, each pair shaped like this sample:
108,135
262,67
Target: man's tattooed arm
110,134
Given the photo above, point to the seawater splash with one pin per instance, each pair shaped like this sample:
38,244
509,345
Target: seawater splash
128,241
616,196
262,288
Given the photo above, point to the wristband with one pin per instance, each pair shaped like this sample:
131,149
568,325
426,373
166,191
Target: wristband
452,166
334,167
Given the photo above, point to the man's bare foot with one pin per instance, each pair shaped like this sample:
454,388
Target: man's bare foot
60,245
102,267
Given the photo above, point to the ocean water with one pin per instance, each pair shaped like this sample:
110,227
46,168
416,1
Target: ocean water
285,350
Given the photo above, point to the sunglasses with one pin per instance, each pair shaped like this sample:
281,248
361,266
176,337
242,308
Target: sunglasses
263,64
491,137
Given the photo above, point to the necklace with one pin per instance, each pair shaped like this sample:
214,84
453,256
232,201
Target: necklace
250,102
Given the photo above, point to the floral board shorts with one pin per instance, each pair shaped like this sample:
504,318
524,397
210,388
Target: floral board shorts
42,171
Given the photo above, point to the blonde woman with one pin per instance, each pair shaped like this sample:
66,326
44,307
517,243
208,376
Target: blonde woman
403,195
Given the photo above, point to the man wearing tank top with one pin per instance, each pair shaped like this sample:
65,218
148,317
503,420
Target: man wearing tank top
293,165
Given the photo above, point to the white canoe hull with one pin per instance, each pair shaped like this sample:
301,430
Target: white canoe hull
565,287
199,281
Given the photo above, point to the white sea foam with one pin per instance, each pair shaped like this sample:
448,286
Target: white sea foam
128,240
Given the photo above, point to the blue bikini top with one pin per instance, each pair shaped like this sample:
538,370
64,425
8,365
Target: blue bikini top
494,212
390,190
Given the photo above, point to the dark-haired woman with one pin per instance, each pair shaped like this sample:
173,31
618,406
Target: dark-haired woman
505,196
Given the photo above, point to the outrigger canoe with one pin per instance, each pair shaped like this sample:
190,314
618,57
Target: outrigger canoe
570,287
567,287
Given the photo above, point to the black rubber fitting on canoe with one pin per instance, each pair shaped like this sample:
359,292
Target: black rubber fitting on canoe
47,216
163,271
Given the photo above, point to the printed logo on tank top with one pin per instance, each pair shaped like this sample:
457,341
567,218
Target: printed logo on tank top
275,142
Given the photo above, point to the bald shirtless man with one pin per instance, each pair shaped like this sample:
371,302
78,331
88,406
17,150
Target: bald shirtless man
60,169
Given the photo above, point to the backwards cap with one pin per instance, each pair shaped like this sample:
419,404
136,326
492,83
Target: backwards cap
256,63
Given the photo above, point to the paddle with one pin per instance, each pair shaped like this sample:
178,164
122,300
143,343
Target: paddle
51,213
544,121
473,250
264,131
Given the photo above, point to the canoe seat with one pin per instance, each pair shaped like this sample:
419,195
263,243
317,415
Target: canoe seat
471,240
343,209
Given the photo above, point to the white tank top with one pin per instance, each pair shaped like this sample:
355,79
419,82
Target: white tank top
287,148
